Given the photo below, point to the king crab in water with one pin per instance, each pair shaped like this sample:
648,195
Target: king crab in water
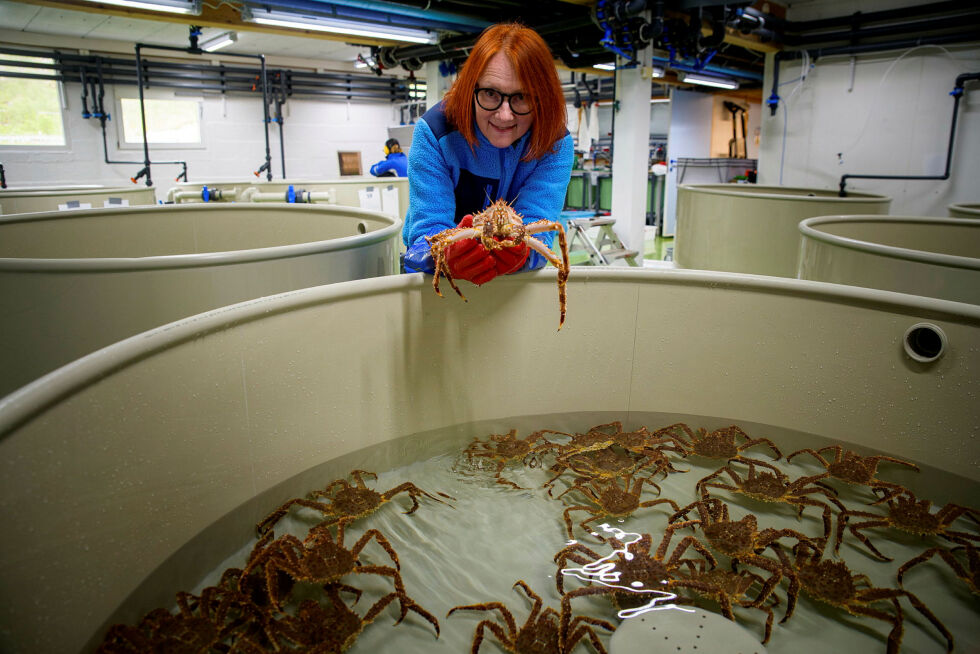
499,226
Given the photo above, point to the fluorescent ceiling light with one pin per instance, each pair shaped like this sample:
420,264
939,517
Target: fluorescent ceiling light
659,100
705,80
192,7
335,26
604,66
219,41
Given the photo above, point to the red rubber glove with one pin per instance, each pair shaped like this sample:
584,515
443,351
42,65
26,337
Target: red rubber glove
508,260
469,260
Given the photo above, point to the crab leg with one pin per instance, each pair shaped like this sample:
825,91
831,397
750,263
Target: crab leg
562,267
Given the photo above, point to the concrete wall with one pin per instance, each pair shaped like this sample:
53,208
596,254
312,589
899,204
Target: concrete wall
890,114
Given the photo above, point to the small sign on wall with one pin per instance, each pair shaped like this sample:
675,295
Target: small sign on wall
115,202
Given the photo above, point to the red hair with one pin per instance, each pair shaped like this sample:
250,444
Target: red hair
535,68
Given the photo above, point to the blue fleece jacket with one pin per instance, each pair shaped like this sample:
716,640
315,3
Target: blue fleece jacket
448,179
396,161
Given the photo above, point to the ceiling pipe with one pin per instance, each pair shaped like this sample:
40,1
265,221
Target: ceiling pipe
709,68
915,27
415,12
459,46
870,17
388,14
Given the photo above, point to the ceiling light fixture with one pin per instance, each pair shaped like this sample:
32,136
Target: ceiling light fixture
335,26
190,7
657,71
706,80
220,41
659,100
604,66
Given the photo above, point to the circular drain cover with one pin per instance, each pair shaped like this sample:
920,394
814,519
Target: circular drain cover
690,632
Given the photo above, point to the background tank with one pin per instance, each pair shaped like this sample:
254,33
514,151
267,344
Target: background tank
935,257
115,463
753,229
965,210
53,198
72,282
346,192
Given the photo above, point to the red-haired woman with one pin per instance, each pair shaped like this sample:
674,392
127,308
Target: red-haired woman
498,134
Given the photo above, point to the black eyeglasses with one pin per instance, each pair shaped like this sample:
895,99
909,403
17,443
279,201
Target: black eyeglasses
491,99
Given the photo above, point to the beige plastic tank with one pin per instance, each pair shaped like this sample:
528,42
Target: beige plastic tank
72,282
82,196
346,192
116,462
966,210
935,257
753,229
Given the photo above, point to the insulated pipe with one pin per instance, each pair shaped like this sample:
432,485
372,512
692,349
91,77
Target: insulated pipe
446,48
957,92
871,17
915,27
426,13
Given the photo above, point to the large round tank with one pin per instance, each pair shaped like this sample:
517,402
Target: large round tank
82,196
348,192
72,282
117,462
964,210
935,257
753,229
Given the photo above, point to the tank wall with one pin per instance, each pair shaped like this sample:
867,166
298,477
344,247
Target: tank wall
169,432
964,210
56,311
28,201
733,228
157,231
961,240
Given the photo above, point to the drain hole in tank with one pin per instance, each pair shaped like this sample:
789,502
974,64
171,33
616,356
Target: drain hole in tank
362,227
925,342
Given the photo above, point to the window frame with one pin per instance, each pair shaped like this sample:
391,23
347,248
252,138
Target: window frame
63,110
151,94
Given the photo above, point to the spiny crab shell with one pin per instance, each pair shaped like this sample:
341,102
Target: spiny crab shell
499,226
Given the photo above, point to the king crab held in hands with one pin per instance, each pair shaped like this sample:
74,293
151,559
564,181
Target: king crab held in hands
499,226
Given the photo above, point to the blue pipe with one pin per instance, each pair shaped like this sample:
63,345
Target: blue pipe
709,69
386,9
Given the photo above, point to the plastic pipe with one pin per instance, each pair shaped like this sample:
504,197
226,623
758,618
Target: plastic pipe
957,93
297,197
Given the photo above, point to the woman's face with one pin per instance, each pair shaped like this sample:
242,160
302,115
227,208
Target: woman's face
502,127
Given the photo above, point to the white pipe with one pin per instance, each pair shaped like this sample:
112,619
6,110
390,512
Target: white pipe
219,195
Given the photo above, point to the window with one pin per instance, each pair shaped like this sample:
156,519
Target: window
169,122
30,109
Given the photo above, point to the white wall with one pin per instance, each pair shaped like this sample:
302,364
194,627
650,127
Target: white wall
314,131
893,119
689,136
